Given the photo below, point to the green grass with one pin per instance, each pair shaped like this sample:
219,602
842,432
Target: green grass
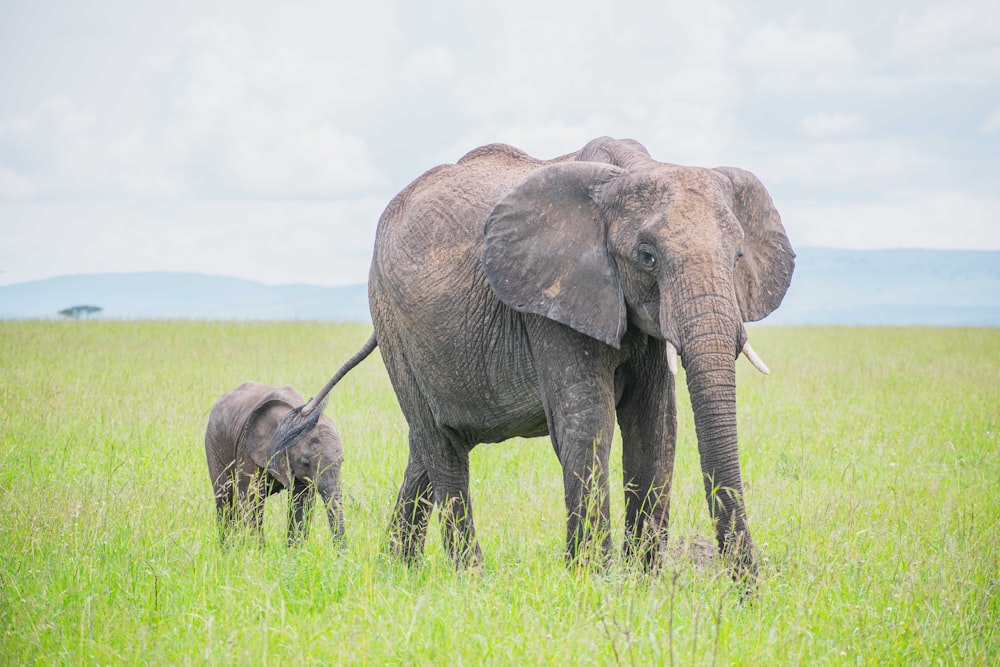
872,467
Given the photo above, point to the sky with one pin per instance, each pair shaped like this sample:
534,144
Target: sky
262,140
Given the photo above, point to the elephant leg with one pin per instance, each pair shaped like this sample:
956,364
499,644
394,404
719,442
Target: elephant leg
447,470
647,416
450,482
300,505
588,505
577,387
249,505
408,526
225,510
438,469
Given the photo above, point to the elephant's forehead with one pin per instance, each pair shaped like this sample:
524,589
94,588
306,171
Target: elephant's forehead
670,182
671,191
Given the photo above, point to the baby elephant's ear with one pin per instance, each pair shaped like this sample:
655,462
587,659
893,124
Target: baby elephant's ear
262,445
545,250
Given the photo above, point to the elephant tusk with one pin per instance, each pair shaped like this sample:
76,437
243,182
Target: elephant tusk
757,362
672,358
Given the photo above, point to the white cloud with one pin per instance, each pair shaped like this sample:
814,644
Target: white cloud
48,151
992,123
787,45
837,166
833,124
657,73
904,219
784,56
15,186
433,64
239,106
229,122
956,42
324,243
944,25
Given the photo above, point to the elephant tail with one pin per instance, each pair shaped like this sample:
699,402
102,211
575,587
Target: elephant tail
319,399
302,419
292,427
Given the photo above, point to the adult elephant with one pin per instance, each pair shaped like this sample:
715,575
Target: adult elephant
512,296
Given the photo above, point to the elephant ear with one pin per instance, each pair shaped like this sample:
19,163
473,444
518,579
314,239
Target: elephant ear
546,250
260,445
765,271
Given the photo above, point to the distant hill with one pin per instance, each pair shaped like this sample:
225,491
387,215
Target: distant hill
183,296
849,287
893,287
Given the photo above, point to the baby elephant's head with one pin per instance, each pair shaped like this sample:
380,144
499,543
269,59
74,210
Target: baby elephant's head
308,452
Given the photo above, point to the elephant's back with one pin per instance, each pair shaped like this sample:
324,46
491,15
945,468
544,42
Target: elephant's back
453,198
429,238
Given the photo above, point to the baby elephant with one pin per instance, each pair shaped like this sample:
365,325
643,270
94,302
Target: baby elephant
252,453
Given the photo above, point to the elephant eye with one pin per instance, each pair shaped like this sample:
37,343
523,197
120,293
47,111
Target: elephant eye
647,257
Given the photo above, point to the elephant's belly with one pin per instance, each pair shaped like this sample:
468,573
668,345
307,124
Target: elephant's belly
491,423
475,405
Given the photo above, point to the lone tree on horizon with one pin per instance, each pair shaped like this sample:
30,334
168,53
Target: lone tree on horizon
76,312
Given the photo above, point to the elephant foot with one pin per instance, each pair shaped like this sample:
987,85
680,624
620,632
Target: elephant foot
589,549
459,534
469,560
406,546
645,552
738,551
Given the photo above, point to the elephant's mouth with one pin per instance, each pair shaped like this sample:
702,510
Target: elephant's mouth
747,351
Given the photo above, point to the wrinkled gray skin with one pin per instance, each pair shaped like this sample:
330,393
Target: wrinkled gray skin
518,297
248,461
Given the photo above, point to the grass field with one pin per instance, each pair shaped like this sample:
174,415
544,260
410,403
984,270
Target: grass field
871,459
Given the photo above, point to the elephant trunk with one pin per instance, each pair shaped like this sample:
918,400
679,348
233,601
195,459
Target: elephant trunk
710,343
333,501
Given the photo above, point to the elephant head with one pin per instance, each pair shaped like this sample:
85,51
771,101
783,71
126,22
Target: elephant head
616,240
303,459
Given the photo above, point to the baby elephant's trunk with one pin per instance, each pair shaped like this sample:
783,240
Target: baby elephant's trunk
335,513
